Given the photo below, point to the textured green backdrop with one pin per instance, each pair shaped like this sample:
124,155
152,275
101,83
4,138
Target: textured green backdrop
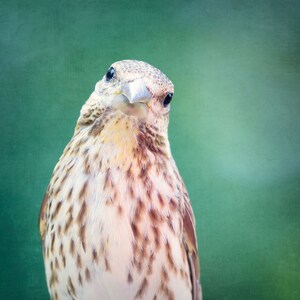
234,126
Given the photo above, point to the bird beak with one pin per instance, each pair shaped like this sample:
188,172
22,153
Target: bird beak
136,91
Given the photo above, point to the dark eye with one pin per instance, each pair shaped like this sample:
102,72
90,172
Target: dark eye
110,74
168,99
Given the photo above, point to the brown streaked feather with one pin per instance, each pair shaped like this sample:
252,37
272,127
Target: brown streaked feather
43,216
190,243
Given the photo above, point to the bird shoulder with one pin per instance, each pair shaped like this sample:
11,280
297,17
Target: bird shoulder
190,243
43,216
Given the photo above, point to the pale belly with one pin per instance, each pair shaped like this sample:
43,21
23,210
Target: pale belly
107,241
108,265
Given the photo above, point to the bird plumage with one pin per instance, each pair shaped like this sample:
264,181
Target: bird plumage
116,221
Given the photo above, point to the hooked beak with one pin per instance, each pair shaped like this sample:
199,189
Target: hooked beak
136,91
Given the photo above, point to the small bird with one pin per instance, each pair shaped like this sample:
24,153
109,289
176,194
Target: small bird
116,221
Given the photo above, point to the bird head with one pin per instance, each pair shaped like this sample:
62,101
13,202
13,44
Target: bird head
136,89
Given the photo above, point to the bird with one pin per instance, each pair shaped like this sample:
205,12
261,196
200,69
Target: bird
116,221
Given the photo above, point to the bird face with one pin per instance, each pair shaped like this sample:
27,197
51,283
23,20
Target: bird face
136,89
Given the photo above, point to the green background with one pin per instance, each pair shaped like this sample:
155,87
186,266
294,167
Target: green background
234,126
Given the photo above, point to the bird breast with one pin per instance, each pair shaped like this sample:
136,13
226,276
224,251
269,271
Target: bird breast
109,192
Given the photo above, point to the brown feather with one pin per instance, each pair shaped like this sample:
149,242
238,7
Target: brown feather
190,243
43,216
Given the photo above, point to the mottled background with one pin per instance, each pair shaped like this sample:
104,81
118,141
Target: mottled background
234,126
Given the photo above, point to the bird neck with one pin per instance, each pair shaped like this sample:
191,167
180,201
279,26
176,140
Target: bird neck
122,139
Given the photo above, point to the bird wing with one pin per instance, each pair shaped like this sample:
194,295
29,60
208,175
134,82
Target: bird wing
43,216
190,243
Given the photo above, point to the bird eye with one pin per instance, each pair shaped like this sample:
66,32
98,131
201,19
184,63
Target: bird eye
168,99
110,74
